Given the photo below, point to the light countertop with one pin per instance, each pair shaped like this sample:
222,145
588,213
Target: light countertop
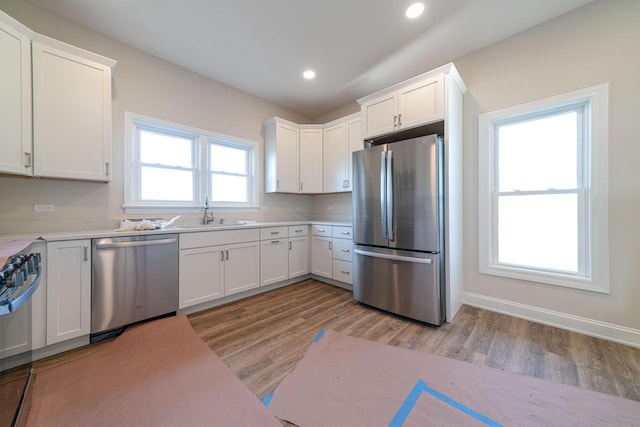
94,234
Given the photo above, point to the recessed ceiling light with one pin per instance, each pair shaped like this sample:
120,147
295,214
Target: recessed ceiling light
415,10
309,74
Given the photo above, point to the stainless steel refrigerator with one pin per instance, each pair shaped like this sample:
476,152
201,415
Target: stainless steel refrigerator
398,228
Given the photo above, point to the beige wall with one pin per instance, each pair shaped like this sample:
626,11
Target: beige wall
597,43
146,85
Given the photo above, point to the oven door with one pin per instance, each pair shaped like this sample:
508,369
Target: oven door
16,338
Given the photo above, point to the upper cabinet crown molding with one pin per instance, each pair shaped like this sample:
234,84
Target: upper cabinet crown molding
63,93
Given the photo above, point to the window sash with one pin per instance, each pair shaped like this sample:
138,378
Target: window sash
201,173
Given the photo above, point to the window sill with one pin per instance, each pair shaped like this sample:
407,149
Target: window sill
548,278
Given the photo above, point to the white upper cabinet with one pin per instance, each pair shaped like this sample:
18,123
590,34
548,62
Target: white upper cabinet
282,154
71,115
341,139
61,92
310,160
334,158
413,103
354,143
15,102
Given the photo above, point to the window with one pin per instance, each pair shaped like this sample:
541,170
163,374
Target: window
543,191
170,168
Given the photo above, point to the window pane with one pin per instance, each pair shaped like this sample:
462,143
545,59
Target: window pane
229,159
168,150
539,231
539,154
228,188
166,184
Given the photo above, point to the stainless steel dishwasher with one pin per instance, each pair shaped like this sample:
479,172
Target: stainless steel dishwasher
133,278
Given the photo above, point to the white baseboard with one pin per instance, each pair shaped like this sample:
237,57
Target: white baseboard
583,325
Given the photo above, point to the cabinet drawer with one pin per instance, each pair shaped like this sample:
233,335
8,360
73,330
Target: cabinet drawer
273,233
342,249
342,232
342,271
321,230
298,230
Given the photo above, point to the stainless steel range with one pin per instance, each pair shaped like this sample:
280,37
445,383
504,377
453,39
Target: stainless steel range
19,278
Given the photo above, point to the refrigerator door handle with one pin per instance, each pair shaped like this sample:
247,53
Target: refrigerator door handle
389,176
393,257
383,193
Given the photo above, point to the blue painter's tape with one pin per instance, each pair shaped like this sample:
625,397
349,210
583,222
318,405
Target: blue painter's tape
267,399
415,393
319,335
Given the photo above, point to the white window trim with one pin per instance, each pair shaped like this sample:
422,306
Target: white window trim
596,182
201,185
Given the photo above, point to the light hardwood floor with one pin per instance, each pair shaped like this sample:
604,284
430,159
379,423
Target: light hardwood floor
262,338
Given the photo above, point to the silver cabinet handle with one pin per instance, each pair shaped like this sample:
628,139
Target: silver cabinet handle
107,168
399,120
289,245
345,250
135,243
330,245
346,233
27,160
300,186
85,253
221,255
344,272
275,232
227,253
395,121
274,242
299,230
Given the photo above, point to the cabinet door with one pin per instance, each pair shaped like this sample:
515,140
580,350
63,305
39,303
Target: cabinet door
298,256
354,143
334,159
71,116
421,103
241,267
68,290
379,115
15,102
201,275
274,264
321,262
311,160
286,159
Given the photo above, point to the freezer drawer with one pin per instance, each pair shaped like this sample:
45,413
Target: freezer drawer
402,282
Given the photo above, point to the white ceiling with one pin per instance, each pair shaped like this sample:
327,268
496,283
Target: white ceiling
261,47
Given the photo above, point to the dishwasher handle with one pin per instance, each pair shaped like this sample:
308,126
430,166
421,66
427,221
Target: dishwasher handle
135,243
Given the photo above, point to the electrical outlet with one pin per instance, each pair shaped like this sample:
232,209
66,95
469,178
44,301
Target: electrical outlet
42,207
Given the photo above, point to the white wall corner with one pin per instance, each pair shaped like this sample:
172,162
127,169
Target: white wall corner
583,325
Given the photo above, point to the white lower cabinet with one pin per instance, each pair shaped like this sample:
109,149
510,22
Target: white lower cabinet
241,267
214,264
201,275
284,254
298,256
321,256
274,262
68,290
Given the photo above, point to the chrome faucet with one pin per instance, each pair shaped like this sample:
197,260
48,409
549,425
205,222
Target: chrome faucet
208,216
